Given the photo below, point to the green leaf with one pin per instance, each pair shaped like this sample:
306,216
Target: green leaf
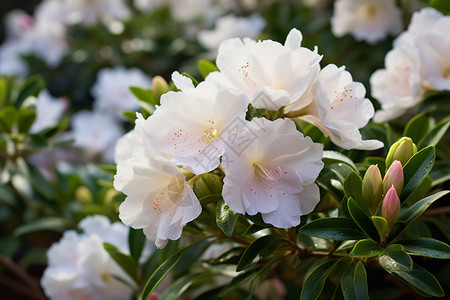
225,218
366,248
144,95
38,181
336,157
426,247
440,173
417,127
394,258
258,250
26,117
363,220
194,81
315,278
353,189
32,86
208,184
421,281
381,225
231,256
433,137
179,286
416,169
126,262
442,5
8,117
192,255
410,214
130,115
49,223
205,67
334,229
136,242
354,283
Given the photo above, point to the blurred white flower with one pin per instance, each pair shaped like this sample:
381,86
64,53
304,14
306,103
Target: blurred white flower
49,111
340,108
11,62
231,26
158,198
112,92
190,125
145,5
203,10
270,169
367,20
17,22
80,268
90,12
272,75
96,133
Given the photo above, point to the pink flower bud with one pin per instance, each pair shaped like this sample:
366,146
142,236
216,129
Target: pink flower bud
372,188
391,206
153,296
394,177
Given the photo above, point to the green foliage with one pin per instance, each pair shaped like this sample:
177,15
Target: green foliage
354,283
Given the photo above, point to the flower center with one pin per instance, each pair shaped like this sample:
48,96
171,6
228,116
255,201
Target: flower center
267,178
168,199
210,134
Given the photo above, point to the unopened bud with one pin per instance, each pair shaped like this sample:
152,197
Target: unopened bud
391,206
402,150
83,195
159,87
372,188
394,177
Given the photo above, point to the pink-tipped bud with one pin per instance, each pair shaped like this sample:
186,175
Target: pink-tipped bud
372,188
153,296
391,206
394,177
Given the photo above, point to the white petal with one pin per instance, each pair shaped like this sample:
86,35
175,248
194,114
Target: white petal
293,39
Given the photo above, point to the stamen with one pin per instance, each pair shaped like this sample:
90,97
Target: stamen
267,178
169,198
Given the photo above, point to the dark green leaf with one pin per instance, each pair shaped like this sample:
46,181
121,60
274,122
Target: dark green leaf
421,281
417,127
334,229
336,157
433,137
177,288
26,118
38,181
126,262
354,283
258,250
191,255
394,258
8,117
231,256
416,169
208,184
426,247
205,67
136,242
440,173
315,278
49,223
32,86
366,248
353,189
363,220
225,217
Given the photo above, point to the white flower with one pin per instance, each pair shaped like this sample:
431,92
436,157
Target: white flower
231,26
158,198
112,90
131,140
190,125
339,109
10,61
96,133
272,75
80,268
399,86
49,111
145,5
367,20
270,169
17,22
89,12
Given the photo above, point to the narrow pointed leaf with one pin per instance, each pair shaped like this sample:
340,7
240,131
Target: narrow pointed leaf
417,127
366,248
421,281
258,250
354,283
136,242
353,189
336,157
126,262
315,278
435,135
225,217
334,229
426,247
363,220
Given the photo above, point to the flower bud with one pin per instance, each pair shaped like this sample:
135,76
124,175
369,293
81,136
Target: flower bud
394,177
159,87
402,150
391,206
372,188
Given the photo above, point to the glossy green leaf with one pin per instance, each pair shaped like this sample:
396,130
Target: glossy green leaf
433,137
8,117
126,262
366,248
426,247
353,189
354,283
231,256
205,67
315,278
192,255
208,184
258,250
225,218
381,225
49,223
417,127
421,281
440,173
416,169
144,95
136,242
363,220
32,86
334,229
394,258
336,157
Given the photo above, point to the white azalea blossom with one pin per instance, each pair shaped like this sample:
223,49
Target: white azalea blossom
273,75
158,197
80,268
270,169
112,90
132,139
367,20
231,26
11,62
49,111
340,108
190,125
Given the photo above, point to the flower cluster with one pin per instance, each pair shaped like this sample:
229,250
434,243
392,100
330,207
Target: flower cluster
269,166
419,62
